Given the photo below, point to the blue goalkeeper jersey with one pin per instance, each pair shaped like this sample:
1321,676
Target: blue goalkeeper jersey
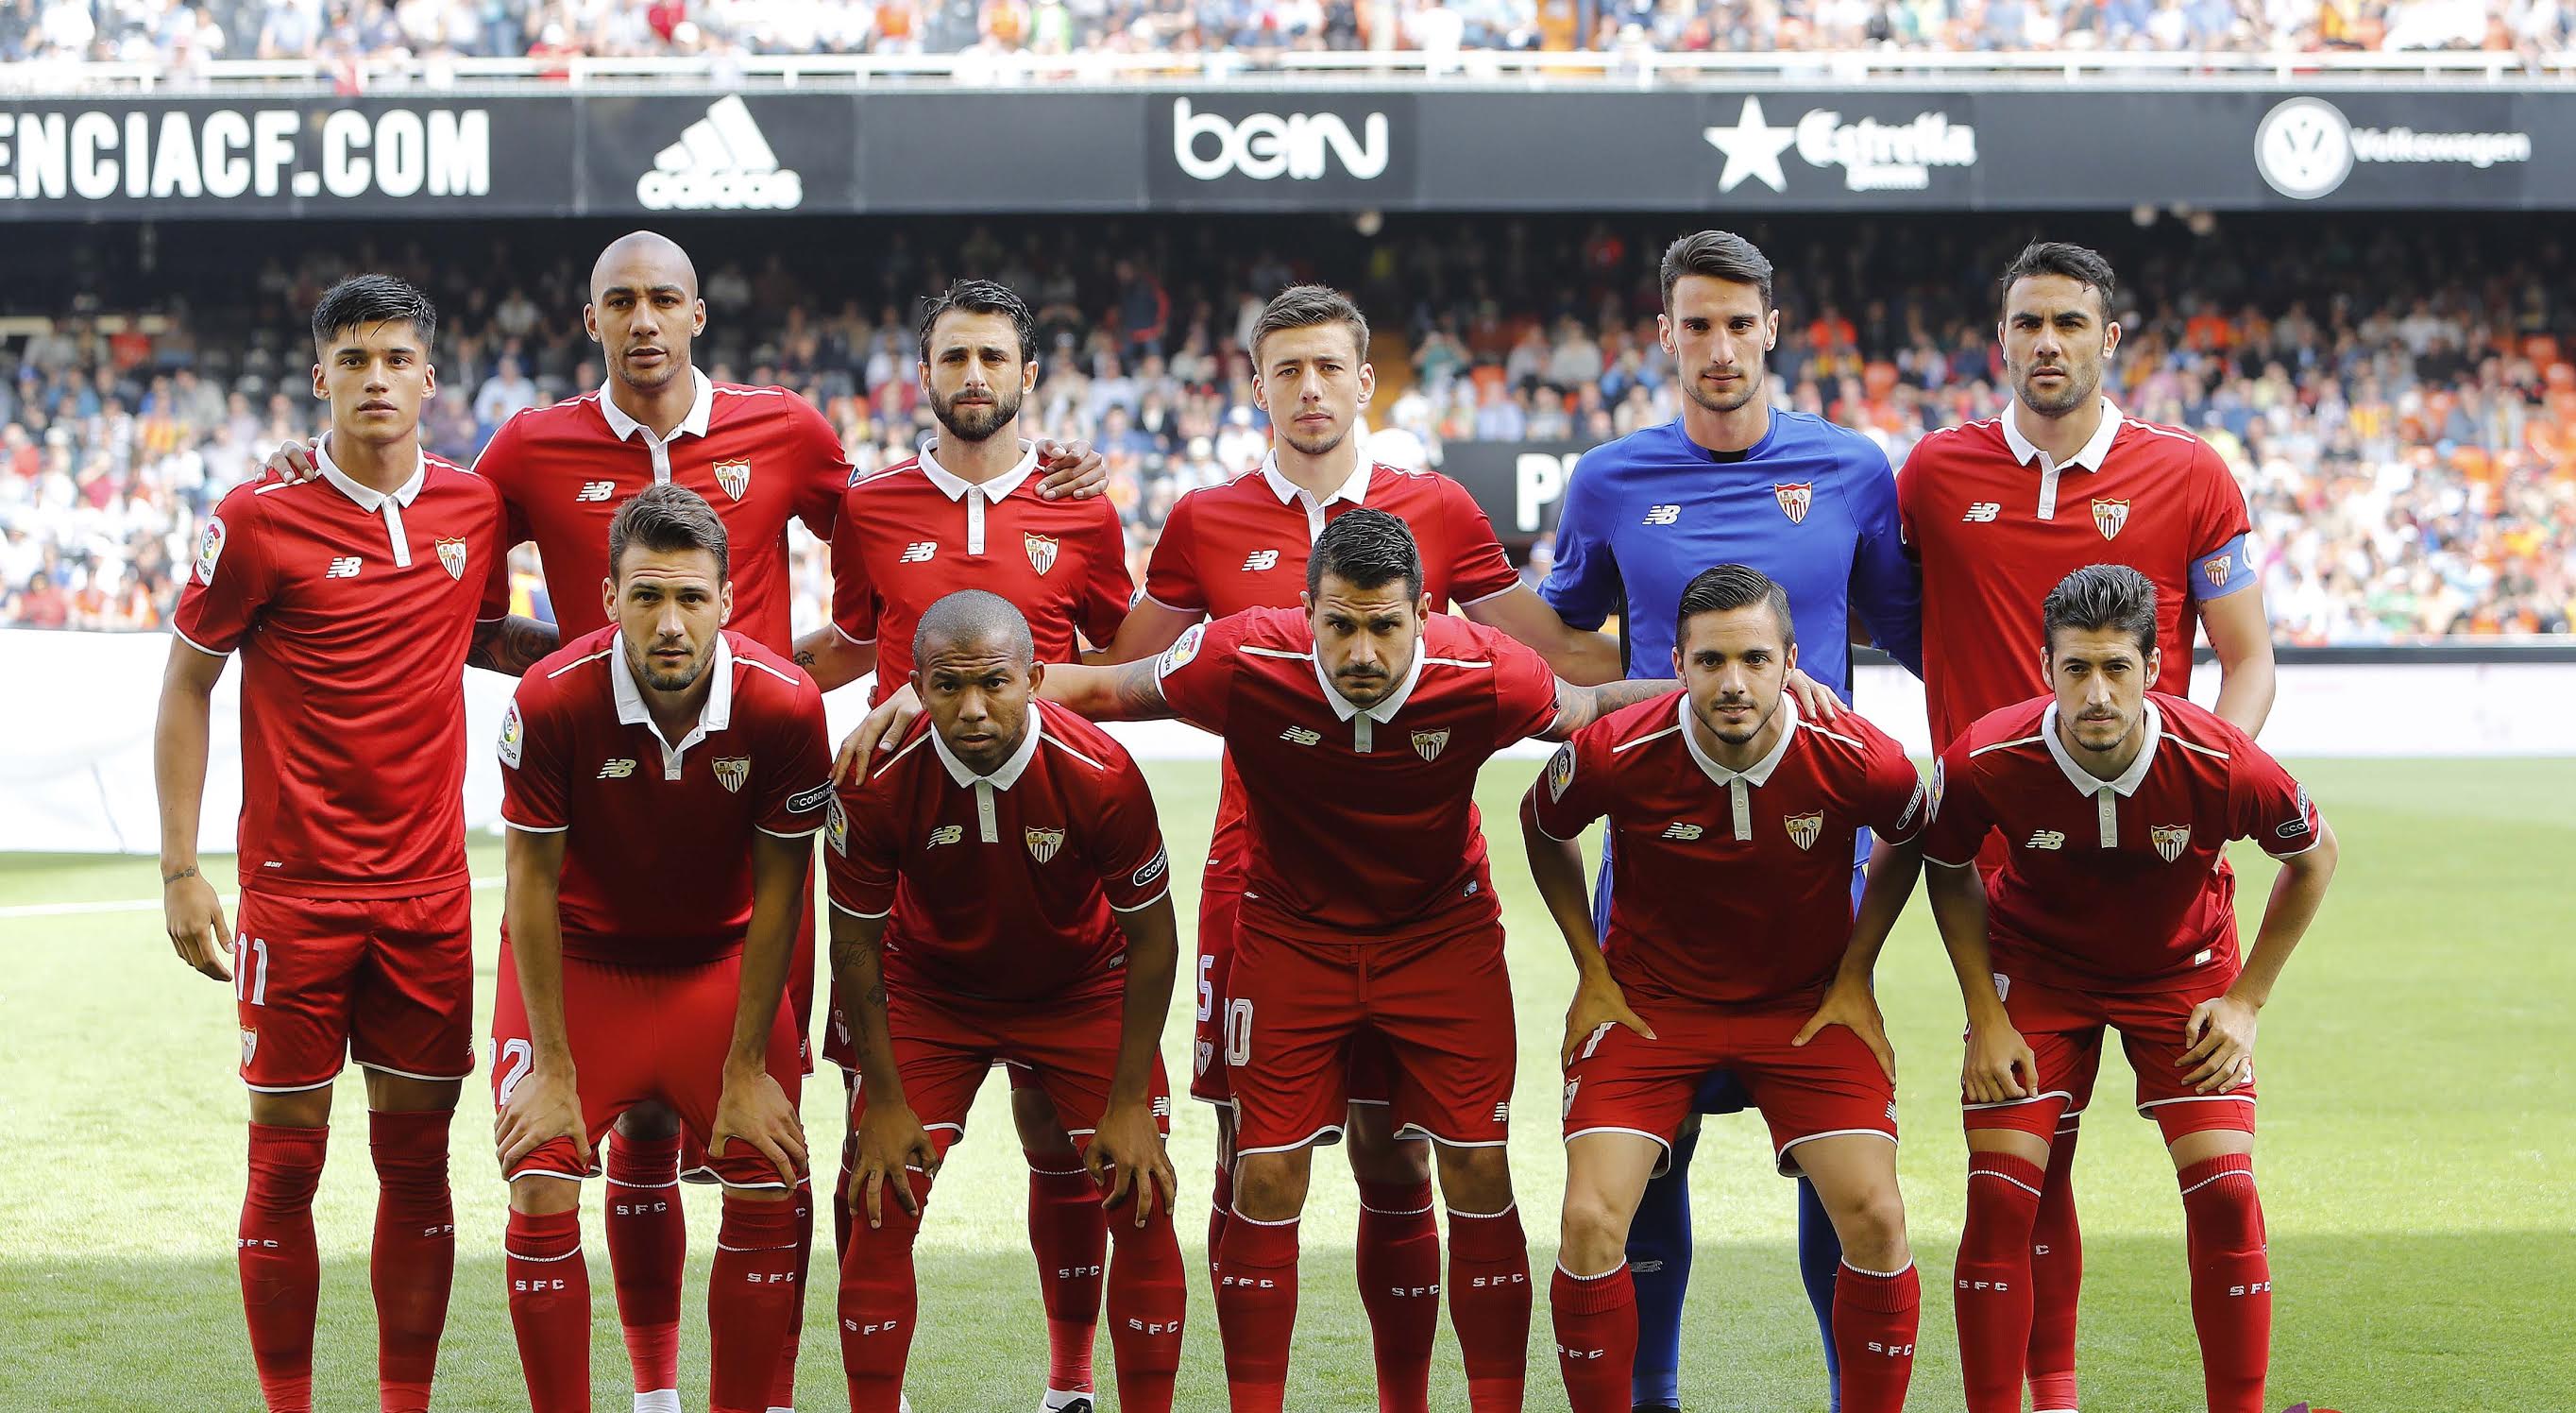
1811,504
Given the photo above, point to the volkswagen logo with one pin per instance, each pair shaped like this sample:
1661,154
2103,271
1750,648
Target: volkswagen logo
2304,148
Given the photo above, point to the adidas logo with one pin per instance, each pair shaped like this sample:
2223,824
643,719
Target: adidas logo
722,163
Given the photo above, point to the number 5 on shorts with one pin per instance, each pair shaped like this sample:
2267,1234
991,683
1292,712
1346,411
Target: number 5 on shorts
1207,988
1238,1033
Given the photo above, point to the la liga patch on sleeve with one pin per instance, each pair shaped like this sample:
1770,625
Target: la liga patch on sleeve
1560,771
210,548
513,734
1179,654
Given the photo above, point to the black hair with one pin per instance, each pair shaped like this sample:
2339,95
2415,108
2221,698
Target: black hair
361,300
1366,549
1720,255
1304,306
668,519
981,297
2057,257
974,616
1733,586
2098,597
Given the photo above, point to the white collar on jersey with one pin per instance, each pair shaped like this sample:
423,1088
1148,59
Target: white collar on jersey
1009,773
2085,781
368,498
1354,490
716,715
998,488
1388,705
2087,457
695,424
1759,773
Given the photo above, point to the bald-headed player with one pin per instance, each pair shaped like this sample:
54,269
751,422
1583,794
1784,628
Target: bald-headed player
761,456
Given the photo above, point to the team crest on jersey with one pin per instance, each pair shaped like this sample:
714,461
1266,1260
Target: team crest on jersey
2216,568
1041,551
451,554
1804,829
210,547
1043,842
732,771
1429,744
2109,516
1560,771
2170,840
735,477
512,734
1794,500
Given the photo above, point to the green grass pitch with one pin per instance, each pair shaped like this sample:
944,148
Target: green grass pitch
2418,1073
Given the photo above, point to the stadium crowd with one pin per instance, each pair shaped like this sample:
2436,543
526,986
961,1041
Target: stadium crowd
2406,435
181,35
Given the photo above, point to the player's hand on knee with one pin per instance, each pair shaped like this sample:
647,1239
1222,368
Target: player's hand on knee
2221,1035
882,728
1074,470
195,919
293,461
1127,1153
1816,701
1854,1008
754,1110
1598,1005
1999,1066
888,1140
542,1107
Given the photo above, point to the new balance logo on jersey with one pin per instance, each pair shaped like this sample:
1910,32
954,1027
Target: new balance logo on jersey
344,567
1686,833
1300,736
2046,839
1664,515
945,834
1984,512
616,770
721,163
594,492
1259,560
918,552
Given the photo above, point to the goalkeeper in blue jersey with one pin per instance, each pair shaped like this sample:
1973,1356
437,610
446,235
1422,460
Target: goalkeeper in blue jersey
1813,506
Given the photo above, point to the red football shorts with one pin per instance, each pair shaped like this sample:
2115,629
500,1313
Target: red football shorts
2064,1032
640,1034
1302,1012
1220,917
387,982
944,1047
1621,1082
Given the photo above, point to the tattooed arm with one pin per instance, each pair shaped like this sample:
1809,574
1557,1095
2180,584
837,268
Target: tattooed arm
1578,707
1130,691
512,645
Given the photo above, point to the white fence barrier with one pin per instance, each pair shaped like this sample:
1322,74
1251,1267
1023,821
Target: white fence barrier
77,775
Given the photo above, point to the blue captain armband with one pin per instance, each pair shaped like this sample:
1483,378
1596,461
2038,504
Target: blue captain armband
2222,571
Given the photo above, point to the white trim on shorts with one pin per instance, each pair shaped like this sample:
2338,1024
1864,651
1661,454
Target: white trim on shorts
1663,1165
1780,1159
1326,1136
406,1074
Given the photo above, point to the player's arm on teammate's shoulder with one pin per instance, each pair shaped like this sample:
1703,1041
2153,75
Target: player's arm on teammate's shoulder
2273,810
1150,627
889,1136
1552,809
2240,633
545,1104
832,660
513,644
1578,706
1577,654
1074,470
181,733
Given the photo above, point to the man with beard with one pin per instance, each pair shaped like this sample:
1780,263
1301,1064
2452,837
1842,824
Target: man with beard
1807,503
1981,509
966,514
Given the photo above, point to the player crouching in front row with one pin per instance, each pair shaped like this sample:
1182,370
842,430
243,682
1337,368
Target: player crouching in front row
1732,945
1000,893
663,779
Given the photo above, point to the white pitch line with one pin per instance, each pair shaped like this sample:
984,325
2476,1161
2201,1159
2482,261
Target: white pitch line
138,905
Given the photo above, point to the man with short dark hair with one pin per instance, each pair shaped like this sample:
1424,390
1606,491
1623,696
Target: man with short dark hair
662,778
2111,806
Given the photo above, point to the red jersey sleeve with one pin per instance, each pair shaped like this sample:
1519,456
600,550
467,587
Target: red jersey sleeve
1576,789
854,594
1892,793
535,791
1109,591
1172,576
2218,509
496,574
1127,842
859,858
822,468
1480,569
795,771
231,581
1960,815
2266,804
1197,672
1524,689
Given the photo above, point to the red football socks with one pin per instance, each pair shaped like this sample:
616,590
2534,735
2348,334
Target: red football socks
1256,1310
879,1301
648,1243
412,1265
782,1392
281,1274
1149,1295
1596,1336
550,1309
2056,1280
1993,1279
749,1295
1399,1279
1071,1242
1489,1306
2231,1280
1220,1210
1874,1321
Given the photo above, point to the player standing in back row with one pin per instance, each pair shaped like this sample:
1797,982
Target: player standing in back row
353,601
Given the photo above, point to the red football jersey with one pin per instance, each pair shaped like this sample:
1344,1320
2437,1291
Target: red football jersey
1729,886
1362,824
759,456
2113,885
352,611
1244,545
1995,527
914,533
1002,887
657,868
